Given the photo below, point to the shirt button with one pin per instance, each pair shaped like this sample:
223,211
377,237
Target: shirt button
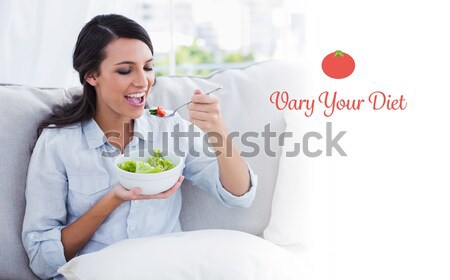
133,229
135,201
32,235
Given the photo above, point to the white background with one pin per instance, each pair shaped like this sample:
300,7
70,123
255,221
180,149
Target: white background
383,211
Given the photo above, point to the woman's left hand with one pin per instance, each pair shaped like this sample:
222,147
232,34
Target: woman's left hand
204,112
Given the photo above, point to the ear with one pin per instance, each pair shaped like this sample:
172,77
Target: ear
91,78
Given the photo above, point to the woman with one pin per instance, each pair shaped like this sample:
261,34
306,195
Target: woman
74,202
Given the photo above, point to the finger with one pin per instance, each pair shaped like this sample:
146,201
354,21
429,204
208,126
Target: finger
204,107
133,194
160,195
202,116
174,187
146,197
197,91
199,107
167,193
181,179
203,125
172,190
136,191
204,98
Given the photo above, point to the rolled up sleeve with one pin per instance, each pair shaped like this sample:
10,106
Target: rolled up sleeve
45,213
45,251
207,178
244,200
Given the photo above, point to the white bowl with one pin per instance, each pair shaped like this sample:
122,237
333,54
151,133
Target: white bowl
152,183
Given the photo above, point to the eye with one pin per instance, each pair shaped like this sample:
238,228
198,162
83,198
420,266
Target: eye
124,72
148,68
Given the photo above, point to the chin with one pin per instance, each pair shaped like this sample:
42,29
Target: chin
137,114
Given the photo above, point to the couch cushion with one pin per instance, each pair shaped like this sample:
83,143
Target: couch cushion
245,105
22,109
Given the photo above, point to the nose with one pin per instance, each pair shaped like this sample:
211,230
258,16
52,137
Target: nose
141,79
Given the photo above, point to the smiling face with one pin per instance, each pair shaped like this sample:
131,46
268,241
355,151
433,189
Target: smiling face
124,80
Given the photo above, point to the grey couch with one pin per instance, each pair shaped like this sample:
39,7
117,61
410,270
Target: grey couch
245,106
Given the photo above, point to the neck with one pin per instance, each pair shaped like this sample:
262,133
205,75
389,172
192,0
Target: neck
118,132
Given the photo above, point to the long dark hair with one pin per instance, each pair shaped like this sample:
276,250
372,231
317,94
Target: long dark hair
88,54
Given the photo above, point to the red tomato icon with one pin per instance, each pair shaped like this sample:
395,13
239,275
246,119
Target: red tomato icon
338,65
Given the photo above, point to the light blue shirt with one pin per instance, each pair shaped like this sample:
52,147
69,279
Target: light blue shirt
70,170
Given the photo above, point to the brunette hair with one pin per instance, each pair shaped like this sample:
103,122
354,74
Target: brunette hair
88,54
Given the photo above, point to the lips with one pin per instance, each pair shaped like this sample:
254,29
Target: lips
136,99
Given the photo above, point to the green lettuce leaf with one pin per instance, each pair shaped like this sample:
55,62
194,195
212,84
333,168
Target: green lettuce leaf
154,164
128,165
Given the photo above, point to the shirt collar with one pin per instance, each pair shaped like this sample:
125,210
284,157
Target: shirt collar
143,129
95,136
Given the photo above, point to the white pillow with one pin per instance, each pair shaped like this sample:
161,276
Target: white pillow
289,219
203,254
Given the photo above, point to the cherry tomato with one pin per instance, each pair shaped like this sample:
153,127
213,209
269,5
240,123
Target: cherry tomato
338,65
160,111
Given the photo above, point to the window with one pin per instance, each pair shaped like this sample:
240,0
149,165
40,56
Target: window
196,37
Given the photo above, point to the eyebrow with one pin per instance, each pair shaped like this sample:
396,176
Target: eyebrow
131,62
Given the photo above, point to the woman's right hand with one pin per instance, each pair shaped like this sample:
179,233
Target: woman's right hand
124,194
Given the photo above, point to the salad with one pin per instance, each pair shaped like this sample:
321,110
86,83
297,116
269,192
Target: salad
154,164
157,111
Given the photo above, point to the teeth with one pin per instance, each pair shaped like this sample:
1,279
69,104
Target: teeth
140,94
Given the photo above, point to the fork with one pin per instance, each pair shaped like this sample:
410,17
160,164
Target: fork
174,111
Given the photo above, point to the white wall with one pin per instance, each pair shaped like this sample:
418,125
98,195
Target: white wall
37,38
382,212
